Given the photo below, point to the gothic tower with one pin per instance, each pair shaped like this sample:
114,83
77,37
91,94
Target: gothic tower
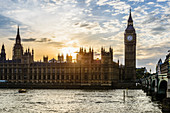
18,49
3,54
130,51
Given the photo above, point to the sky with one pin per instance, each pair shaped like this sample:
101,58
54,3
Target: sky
51,27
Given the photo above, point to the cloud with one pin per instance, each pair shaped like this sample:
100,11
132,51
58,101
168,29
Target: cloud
159,29
153,51
11,38
6,26
88,25
28,40
136,0
32,39
84,25
5,22
43,40
150,64
161,0
118,55
150,3
101,2
75,23
57,44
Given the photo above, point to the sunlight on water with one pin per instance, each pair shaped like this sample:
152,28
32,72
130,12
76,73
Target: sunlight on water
76,101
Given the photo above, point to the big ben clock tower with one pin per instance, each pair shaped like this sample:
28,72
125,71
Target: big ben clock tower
130,51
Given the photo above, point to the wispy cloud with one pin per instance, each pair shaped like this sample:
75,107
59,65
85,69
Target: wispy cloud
74,23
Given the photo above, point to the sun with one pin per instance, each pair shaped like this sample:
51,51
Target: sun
70,51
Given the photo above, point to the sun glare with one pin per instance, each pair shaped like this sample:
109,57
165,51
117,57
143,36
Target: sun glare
70,51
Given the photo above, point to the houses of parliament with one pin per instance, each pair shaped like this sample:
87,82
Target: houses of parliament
86,71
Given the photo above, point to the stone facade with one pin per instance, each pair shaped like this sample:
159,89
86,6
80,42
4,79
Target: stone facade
165,65
162,67
85,71
130,51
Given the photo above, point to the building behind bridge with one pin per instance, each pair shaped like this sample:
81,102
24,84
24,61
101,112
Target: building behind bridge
162,67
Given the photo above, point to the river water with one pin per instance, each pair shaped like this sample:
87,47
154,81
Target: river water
76,101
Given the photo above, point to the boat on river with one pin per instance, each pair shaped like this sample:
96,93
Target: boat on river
22,91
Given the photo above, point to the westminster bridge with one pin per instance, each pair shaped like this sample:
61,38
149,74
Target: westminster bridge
158,86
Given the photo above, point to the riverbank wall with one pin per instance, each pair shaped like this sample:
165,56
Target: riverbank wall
68,86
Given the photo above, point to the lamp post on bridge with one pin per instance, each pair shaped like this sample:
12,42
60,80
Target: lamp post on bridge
166,101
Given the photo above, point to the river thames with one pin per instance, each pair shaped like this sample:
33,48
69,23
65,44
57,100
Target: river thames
76,101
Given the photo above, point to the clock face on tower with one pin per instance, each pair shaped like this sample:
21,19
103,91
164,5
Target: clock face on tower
129,38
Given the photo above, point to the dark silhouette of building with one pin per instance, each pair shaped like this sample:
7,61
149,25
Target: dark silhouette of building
86,71
3,54
130,51
163,67
18,49
158,66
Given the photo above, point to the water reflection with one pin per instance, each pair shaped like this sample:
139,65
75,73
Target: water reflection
74,101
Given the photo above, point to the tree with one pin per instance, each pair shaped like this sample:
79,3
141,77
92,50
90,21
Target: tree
140,72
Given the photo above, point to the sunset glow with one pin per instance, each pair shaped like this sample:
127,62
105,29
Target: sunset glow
70,51
62,26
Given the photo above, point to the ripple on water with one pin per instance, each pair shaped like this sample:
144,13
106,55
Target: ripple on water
75,101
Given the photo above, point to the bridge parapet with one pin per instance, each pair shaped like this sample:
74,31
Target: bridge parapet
162,84
168,90
166,101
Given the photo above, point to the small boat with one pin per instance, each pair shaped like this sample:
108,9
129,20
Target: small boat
22,90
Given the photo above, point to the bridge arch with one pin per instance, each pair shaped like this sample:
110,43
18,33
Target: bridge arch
153,85
162,87
147,83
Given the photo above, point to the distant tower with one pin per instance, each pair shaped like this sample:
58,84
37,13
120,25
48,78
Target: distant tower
69,58
85,57
18,49
60,57
3,54
106,57
111,52
45,59
33,54
158,66
130,51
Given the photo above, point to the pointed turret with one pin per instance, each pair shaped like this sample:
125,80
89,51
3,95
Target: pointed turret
3,48
130,27
85,50
90,50
3,54
18,39
160,61
18,49
110,49
130,20
45,59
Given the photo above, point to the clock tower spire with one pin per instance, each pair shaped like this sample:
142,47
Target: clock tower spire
130,51
18,39
130,20
18,49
